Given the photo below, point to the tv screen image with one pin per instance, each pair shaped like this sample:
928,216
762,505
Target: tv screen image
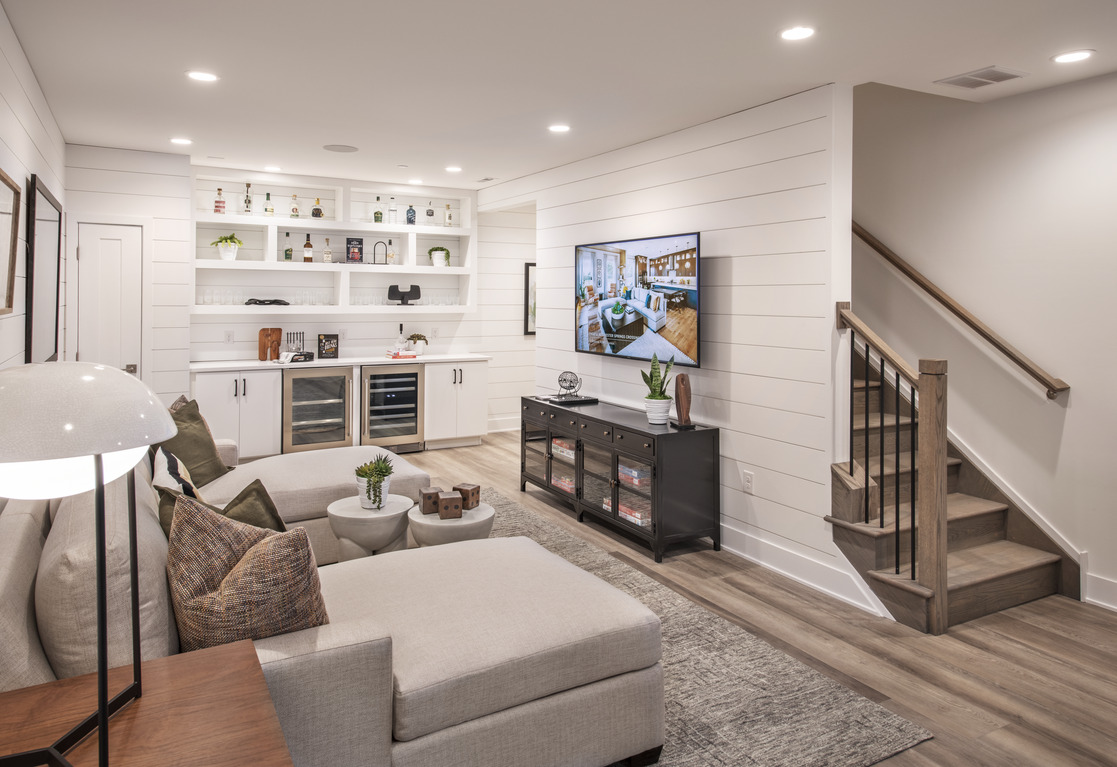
636,298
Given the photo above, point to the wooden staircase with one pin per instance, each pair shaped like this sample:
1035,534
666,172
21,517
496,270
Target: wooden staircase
995,558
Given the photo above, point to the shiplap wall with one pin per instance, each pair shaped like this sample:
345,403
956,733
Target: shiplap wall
30,143
152,189
769,190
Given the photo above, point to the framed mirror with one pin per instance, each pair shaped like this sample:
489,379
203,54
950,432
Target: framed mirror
9,238
44,264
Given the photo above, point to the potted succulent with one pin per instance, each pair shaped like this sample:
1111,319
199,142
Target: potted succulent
418,342
373,479
439,256
658,402
227,245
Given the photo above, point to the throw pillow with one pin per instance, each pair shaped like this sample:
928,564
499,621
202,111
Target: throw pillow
232,581
194,445
648,301
171,479
252,506
655,304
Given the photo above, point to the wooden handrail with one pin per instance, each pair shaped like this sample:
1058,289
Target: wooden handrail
847,319
1055,386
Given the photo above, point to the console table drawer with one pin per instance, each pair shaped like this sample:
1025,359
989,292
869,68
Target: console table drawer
595,431
564,420
634,443
535,412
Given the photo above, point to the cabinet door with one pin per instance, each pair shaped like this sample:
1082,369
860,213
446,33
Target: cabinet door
440,401
218,397
261,397
473,399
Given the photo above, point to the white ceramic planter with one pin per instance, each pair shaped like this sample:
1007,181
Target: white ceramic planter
227,251
363,493
418,347
659,410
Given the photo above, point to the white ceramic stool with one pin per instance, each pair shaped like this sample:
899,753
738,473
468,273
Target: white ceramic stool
361,532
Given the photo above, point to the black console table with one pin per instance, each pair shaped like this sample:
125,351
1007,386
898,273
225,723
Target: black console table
659,483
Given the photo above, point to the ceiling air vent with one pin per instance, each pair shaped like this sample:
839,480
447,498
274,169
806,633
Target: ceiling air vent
981,77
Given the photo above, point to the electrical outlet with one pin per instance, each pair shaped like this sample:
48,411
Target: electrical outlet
434,334
746,480
228,336
343,334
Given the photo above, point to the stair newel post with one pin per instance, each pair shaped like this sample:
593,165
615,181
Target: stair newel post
932,490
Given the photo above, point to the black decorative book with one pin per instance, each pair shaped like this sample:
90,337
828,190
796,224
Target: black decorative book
327,346
354,250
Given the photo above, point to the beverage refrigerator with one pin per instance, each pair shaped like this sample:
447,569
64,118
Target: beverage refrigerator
317,408
392,406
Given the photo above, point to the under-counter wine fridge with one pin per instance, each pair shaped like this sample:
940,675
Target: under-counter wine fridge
317,407
392,408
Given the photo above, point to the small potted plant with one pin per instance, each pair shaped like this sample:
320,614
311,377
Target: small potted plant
373,479
418,342
227,245
439,256
658,402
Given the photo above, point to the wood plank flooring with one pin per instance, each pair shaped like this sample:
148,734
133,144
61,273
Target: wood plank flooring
1033,685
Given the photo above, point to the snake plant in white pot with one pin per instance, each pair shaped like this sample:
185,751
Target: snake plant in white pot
658,402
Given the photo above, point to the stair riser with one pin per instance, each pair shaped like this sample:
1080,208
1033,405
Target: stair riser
859,398
906,432
887,486
907,608
1002,593
975,531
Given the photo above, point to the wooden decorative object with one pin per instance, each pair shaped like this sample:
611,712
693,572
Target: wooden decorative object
449,505
682,400
269,343
429,503
471,495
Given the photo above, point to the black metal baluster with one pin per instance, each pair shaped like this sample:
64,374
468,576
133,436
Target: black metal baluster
852,378
912,433
866,431
896,495
880,453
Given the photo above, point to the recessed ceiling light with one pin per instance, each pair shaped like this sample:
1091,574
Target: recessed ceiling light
272,168
343,148
797,33
205,77
401,165
559,128
183,141
453,169
415,181
1072,56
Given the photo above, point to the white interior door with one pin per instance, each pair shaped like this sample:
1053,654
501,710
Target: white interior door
110,278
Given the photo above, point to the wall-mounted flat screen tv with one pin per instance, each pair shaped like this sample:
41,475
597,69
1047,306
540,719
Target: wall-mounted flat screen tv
636,298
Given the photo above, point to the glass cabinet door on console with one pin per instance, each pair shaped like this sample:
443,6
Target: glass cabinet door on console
563,463
316,408
597,482
635,491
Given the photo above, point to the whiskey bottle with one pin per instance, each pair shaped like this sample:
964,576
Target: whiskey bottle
248,199
316,211
269,208
430,215
448,216
391,257
391,209
378,212
327,254
411,215
308,250
219,202
287,252
294,206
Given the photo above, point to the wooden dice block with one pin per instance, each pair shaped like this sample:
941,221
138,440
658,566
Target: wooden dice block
449,505
471,495
429,499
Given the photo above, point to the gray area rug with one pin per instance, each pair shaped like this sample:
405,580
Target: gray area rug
733,700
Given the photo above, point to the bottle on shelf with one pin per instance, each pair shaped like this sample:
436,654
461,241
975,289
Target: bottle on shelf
308,250
411,215
269,207
288,254
247,199
430,215
401,341
294,206
391,210
327,254
448,216
378,212
219,202
391,257
316,211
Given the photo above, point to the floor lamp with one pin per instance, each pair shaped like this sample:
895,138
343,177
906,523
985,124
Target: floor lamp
72,427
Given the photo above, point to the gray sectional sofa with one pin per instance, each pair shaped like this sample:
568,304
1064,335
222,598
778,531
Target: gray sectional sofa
490,652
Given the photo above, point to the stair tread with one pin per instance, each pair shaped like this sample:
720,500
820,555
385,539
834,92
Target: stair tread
958,506
890,463
982,563
876,419
859,383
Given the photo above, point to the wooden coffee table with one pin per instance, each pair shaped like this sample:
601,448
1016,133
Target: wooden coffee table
208,708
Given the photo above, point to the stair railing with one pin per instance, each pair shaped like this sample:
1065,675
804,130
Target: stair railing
927,501
1054,386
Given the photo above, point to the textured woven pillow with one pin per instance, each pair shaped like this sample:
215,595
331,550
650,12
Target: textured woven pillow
232,581
194,444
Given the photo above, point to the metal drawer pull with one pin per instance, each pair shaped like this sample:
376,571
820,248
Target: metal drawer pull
647,445
620,436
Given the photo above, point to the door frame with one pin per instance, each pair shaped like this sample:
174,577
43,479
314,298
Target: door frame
147,245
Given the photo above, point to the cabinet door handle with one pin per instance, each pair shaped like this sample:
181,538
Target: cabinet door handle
236,391
244,386
461,376
455,375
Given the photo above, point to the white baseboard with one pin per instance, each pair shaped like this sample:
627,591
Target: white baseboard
507,423
444,443
1100,591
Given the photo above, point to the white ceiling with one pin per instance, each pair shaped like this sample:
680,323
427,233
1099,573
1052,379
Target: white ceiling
475,84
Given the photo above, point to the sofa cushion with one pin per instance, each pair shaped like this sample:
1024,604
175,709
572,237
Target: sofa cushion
252,506
66,587
194,444
303,484
501,622
23,533
232,581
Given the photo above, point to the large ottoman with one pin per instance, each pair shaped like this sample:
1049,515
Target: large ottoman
304,484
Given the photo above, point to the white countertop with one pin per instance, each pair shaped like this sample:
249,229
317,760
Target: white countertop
225,365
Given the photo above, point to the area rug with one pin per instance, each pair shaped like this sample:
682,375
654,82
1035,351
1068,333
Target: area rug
733,700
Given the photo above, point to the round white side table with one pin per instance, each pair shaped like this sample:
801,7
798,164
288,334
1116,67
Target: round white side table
361,532
431,530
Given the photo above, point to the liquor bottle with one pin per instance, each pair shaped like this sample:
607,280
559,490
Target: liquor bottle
287,252
294,206
219,202
410,215
269,208
401,341
248,199
430,215
391,257
327,254
378,213
448,216
308,250
316,211
391,209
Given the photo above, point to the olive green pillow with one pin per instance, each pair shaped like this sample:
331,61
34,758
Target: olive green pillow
194,445
252,506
